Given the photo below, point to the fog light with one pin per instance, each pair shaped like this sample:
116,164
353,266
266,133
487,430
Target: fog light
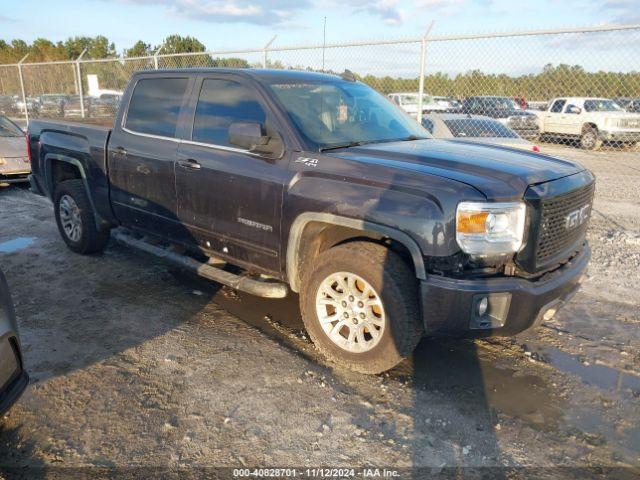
482,306
490,310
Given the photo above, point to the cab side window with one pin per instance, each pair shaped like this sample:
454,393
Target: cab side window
557,106
221,103
155,105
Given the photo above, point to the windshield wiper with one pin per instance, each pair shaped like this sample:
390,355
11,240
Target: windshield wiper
344,145
368,142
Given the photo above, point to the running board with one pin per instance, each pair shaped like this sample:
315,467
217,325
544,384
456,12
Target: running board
238,282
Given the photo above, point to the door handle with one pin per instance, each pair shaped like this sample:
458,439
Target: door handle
189,164
120,151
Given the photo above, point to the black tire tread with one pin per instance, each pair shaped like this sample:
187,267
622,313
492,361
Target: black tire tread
373,256
93,239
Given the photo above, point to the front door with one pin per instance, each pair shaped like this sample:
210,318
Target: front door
553,117
229,198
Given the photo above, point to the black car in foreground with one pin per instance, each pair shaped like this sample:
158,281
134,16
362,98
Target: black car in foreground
318,184
13,377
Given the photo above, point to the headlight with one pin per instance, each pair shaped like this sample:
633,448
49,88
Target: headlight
490,228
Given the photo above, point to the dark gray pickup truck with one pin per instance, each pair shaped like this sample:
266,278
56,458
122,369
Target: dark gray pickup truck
319,183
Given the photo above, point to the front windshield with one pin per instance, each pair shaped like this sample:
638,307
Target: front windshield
9,129
469,127
339,113
602,105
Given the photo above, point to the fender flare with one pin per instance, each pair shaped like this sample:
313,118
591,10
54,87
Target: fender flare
49,158
295,236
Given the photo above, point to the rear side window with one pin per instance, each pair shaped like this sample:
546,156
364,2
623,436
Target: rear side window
221,103
155,106
557,106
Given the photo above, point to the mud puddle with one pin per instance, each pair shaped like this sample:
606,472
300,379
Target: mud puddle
607,378
16,244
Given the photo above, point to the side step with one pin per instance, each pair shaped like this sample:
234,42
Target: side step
238,282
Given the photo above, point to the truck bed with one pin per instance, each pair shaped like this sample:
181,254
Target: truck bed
80,143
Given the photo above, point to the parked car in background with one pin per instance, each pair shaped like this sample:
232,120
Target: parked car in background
318,182
72,107
52,105
13,376
449,103
632,105
32,105
506,111
537,105
409,103
104,106
589,120
521,102
7,105
14,159
475,128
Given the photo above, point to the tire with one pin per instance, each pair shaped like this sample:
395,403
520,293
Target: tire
398,328
72,207
589,139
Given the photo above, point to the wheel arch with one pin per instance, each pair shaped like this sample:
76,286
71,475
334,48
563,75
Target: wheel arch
59,168
343,229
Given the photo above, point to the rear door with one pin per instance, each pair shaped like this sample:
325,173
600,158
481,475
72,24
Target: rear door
142,152
228,198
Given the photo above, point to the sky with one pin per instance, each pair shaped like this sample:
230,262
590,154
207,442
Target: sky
235,24
249,24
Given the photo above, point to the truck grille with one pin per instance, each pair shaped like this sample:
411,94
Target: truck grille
558,227
557,231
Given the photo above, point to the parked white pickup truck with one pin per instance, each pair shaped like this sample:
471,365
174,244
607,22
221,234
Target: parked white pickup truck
591,120
409,103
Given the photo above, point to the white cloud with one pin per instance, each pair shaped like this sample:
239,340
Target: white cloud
257,12
442,7
388,10
622,11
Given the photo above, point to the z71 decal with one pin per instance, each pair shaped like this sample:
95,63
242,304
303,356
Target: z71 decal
309,162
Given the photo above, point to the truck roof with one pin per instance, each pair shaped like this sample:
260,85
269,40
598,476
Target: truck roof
257,73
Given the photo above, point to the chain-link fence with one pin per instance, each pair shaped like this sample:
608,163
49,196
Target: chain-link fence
575,87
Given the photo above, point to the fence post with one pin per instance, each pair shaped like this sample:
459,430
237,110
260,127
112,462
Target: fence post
264,51
423,58
79,75
155,56
24,96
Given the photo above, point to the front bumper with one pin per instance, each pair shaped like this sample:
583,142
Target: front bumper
620,135
13,377
449,304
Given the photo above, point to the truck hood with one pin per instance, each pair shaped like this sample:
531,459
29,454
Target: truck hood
500,173
615,114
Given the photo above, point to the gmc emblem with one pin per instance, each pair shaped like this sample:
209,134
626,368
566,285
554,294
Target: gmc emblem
577,217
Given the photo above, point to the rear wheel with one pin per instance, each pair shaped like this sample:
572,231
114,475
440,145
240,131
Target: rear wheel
589,139
360,307
75,219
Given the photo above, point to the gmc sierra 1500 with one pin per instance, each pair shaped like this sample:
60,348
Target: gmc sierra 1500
319,182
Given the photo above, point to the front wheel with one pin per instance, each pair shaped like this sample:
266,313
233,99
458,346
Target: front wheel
75,219
360,307
589,139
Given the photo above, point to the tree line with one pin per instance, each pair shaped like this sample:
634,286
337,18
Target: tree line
98,47
551,81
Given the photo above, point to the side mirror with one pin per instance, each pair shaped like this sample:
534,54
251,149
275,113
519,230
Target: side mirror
247,135
252,136
574,110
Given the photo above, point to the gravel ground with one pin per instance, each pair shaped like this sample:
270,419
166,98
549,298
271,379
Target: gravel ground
137,364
